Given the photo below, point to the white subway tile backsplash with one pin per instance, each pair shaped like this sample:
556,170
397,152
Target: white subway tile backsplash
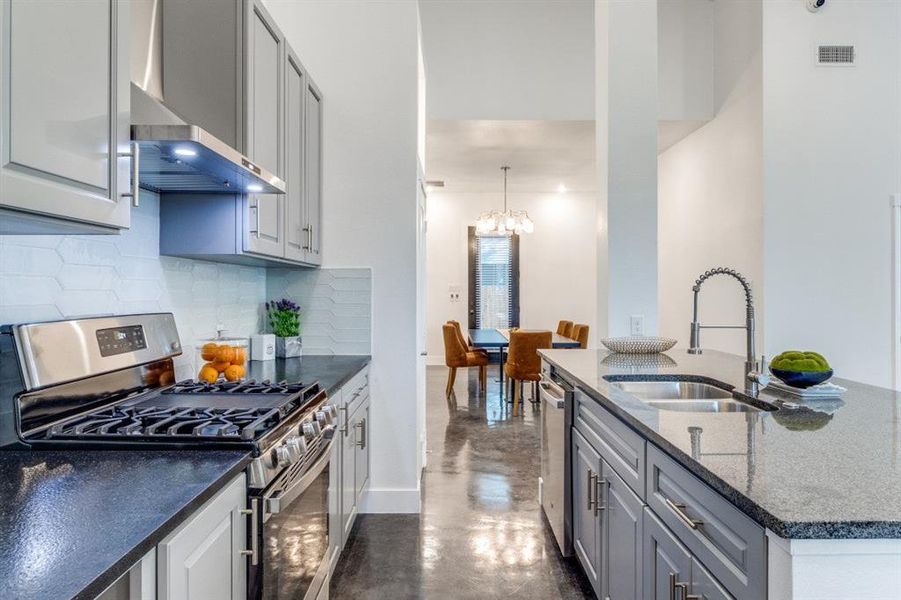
52,277
336,307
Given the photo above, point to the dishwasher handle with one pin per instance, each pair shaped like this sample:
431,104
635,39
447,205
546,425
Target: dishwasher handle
551,394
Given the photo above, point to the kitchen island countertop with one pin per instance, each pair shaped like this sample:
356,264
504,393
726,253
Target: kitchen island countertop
826,470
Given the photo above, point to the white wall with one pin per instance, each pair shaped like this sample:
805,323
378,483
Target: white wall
710,191
557,261
509,59
832,156
626,92
363,55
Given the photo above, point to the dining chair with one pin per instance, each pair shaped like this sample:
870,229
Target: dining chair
580,334
457,356
568,330
523,363
561,326
460,335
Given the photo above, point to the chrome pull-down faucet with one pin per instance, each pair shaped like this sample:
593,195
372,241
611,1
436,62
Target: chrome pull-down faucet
753,374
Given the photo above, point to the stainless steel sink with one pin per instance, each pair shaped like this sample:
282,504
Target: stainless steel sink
685,396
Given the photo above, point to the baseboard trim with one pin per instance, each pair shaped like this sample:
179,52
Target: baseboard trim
391,500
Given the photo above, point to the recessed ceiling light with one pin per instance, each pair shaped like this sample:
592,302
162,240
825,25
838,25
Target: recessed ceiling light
185,152
561,188
254,187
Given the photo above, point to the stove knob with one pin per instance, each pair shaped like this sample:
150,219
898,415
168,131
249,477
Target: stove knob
331,411
309,431
322,418
296,447
282,457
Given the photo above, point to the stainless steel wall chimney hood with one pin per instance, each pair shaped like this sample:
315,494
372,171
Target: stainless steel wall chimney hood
178,157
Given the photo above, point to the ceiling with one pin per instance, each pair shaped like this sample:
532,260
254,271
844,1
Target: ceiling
468,155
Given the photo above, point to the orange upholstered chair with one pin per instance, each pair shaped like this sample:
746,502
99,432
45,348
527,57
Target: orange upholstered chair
457,356
460,335
562,325
523,362
580,334
568,330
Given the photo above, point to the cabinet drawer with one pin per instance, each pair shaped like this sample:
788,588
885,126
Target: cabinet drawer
727,542
356,391
619,445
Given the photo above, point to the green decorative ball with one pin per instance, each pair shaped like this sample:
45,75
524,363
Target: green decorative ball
796,360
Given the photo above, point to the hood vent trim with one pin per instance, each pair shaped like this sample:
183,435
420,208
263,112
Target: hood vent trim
186,158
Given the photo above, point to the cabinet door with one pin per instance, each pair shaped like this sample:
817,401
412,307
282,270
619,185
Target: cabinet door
666,564
704,586
621,538
361,461
202,559
313,172
586,466
64,110
265,132
296,237
348,474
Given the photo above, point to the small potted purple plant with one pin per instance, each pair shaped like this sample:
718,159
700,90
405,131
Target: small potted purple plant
284,321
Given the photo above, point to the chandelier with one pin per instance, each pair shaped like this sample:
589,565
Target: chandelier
494,222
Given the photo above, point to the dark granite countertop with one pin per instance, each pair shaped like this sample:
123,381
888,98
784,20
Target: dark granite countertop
72,522
827,470
331,371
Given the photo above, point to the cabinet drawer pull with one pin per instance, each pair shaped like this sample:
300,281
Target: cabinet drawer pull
256,212
362,441
309,243
251,512
679,509
135,156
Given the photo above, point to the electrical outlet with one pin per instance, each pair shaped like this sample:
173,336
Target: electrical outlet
636,325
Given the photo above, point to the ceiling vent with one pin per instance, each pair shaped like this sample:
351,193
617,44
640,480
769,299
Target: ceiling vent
835,56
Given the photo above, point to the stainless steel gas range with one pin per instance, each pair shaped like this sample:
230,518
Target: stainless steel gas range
96,382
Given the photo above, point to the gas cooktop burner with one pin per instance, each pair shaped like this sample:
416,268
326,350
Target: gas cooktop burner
191,386
155,423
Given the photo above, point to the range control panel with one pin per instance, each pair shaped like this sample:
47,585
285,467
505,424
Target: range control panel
119,340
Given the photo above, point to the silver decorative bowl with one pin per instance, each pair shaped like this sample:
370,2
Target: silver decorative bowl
639,344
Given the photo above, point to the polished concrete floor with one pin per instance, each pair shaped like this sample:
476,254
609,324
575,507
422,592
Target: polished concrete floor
481,533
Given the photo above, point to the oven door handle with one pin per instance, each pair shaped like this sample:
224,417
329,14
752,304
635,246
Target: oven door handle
275,503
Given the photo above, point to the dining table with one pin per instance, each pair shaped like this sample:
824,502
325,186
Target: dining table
499,339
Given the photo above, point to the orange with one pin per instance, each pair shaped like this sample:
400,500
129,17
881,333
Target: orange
219,366
225,354
208,374
208,352
234,372
240,356
167,377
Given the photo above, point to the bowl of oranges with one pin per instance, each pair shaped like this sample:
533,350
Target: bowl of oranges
222,358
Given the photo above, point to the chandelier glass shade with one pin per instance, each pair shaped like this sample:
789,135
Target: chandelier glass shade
506,222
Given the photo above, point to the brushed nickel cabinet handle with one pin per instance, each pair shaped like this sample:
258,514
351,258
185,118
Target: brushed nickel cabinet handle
135,156
251,512
309,243
679,509
600,484
591,486
344,429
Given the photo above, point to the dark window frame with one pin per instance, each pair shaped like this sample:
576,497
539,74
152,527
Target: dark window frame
472,252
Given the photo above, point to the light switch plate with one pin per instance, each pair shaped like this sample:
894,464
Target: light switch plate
636,325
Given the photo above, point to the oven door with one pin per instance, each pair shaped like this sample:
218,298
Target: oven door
293,530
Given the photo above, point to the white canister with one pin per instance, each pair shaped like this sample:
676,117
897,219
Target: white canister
262,346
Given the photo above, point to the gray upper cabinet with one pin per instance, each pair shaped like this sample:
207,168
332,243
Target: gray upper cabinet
260,102
64,101
265,128
296,240
313,172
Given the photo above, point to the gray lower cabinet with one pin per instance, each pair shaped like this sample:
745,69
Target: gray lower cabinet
586,465
621,538
670,569
203,558
64,116
354,450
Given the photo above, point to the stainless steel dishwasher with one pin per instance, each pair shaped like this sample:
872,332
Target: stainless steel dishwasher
555,482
